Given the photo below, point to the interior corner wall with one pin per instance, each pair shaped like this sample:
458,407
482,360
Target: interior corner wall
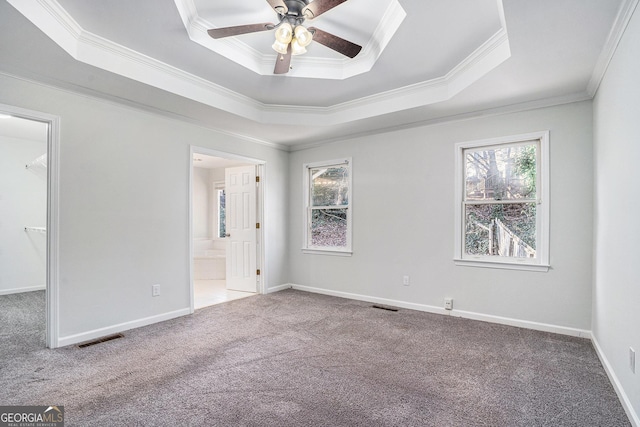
124,207
23,203
616,290
403,221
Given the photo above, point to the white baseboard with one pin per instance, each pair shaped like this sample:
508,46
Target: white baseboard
563,330
536,326
634,418
278,288
98,333
21,290
376,300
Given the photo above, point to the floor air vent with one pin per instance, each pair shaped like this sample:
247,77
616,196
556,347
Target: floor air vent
100,340
383,307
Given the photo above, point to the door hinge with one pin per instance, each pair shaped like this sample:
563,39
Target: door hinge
257,225
257,272
257,178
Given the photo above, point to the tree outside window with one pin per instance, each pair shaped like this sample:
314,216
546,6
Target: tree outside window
503,216
222,213
328,219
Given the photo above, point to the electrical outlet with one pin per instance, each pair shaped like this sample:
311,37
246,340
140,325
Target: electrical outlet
448,303
405,280
155,290
632,360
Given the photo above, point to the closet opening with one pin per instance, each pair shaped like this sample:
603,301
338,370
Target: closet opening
23,231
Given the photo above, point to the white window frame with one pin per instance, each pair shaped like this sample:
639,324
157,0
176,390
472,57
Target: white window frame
307,248
541,261
217,186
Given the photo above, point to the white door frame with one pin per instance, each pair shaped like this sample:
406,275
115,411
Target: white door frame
261,172
53,143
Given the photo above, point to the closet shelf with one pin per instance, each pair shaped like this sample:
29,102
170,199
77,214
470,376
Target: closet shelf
39,163
36,229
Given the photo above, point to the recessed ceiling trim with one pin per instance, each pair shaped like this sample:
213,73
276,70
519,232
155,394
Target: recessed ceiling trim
102,53
245,55
55,22
94,50
485,58
488,56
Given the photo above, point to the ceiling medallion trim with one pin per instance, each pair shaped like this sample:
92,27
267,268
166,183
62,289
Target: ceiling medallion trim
306,66
55,22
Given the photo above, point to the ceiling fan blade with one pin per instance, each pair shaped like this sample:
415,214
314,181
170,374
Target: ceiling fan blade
279,6
219,33
283,63
318,7
336,43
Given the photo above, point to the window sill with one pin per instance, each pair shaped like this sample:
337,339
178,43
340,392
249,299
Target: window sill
502,265
327,252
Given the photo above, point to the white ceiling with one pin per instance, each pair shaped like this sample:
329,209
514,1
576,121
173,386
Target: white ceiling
446,60
16,127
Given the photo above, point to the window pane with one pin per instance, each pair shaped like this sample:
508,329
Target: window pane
501,173
507,230
222,222
330,186
329,227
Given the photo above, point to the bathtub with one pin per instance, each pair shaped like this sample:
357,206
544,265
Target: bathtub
209,260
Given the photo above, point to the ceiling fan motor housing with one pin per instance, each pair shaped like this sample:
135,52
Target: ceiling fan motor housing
295,9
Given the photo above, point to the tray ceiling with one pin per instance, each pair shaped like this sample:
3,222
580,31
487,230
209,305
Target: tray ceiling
440,57
447,60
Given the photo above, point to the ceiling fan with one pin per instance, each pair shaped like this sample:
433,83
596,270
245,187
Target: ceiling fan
291,37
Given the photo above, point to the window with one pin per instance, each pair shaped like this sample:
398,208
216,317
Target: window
328,207
502,212
220,223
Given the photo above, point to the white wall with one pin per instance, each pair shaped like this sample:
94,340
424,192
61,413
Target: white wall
616,292
201,204
23,202
121,231
216,175
403,209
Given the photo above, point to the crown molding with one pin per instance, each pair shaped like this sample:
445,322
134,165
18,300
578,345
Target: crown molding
489,55
625,13
84,46
91,94
485,58
94,50
455,118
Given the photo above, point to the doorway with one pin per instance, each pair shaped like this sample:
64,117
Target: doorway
28,209
226,233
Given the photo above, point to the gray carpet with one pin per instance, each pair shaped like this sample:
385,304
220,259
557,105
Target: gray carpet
299,359
22,324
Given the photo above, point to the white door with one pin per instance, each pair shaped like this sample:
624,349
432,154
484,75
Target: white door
240,189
